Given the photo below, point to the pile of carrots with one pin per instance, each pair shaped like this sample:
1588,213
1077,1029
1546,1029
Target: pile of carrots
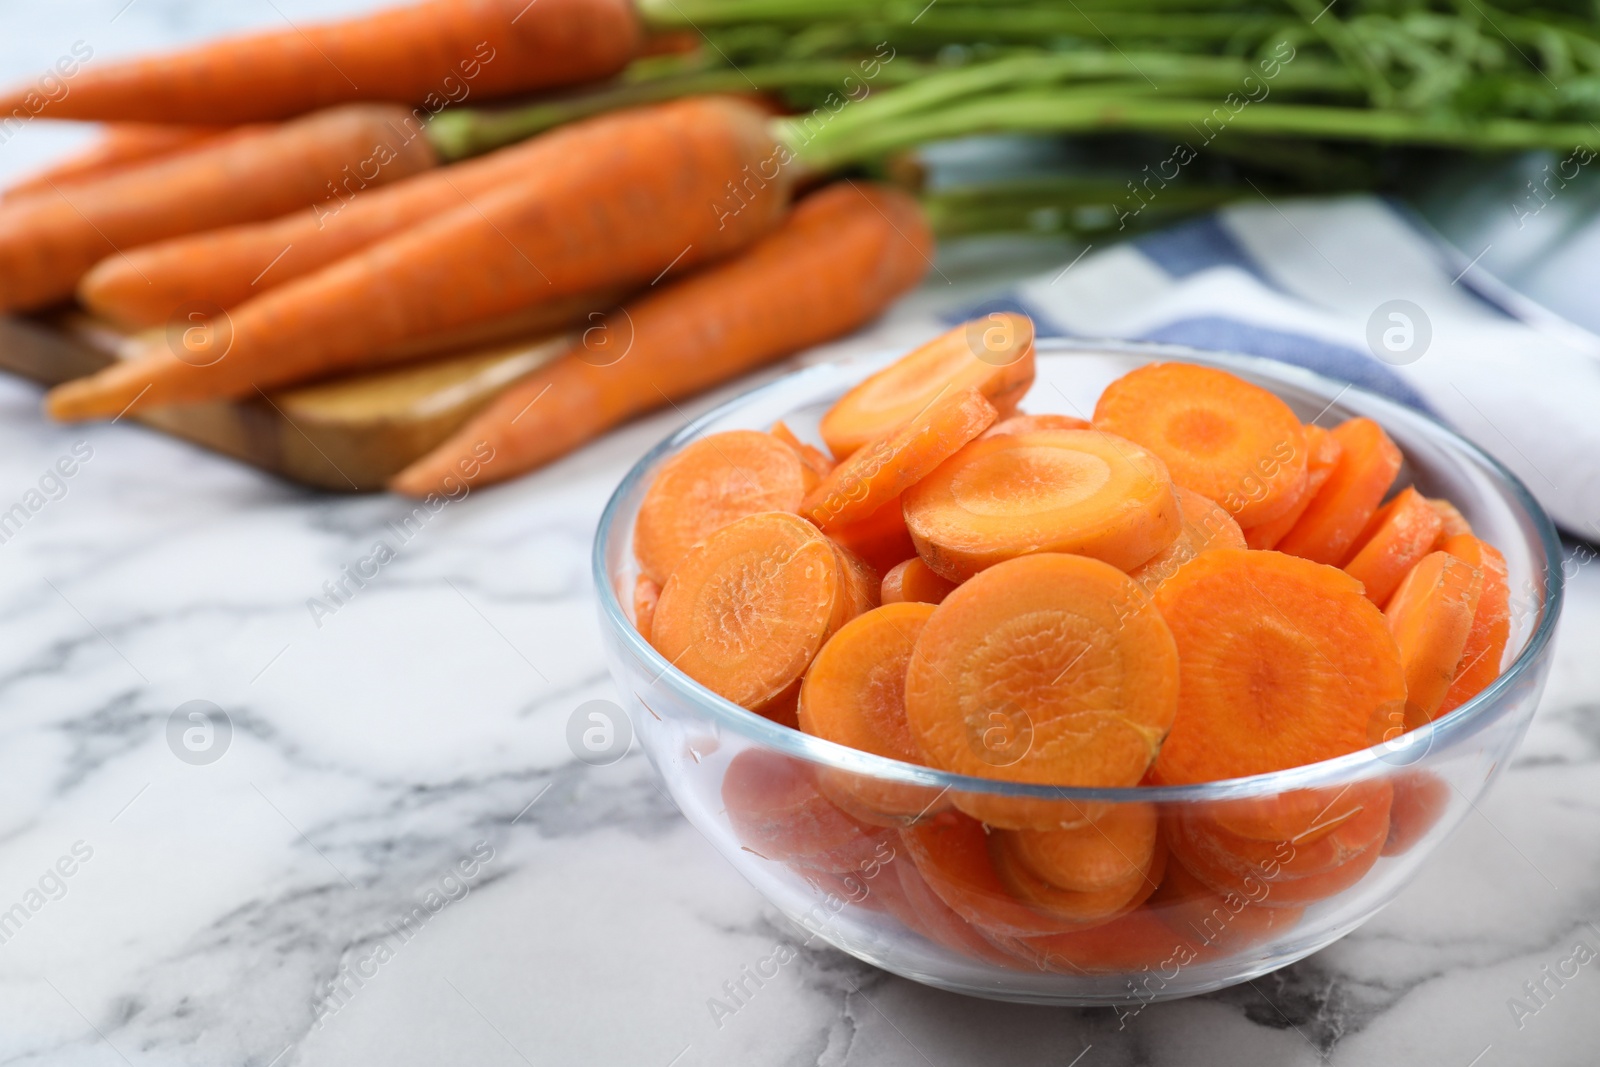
279,208
1187,586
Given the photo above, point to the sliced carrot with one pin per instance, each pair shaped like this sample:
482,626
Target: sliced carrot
645,595
1099,855
1420,800
881,539
931,917
1294,857
1225,877
877,473
1283,662
1368,463
746,610
951,851
1431,616
1453,522
1206,525
1397,536
1030,423
778,814
1138,941
812,459
1077,491
711,483
854,695
914,581
1322,456
1491,622
1092,908
1048,669
1303,815
994,356
1217,923
1219,435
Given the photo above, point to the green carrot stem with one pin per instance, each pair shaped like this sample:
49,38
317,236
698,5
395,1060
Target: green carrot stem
1060,205
1194,121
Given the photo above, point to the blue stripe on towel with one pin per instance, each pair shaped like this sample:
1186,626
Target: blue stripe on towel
1219,334
1199,245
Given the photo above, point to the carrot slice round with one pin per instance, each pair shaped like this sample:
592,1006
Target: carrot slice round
708,485
854,694
1283,662
1368,463
1137,941
1491,622
1454,523
1219,435
1030,423
1050,669
815,464
1322,456
1268,892
877,473
1091,908
951,850
1302,815
1216,923
747,609
1397,536
1206,525
993,355
1100,855
914,581
1431,616
1077,491
645,595
1420,800
935,920
777,813
1295,857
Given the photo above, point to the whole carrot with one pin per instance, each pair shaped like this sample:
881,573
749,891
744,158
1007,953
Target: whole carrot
226,267
118,148
48,240
619,199
843,255
438,51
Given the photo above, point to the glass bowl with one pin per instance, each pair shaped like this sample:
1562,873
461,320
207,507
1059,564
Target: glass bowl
885,861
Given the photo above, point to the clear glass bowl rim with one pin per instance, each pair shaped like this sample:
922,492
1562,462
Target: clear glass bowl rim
1459,724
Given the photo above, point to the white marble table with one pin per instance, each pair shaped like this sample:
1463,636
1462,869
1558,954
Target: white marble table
419,732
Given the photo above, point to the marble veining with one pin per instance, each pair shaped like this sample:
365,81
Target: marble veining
376,748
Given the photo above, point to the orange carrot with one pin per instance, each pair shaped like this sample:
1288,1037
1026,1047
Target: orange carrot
1216,924
993,355
1077,491
816,464
1264,884
930,916
914,582
1206,525
1048,668
1431,616
1283,662
1030,423
647,181
1368,463
875,474
747,609
1220,436
1491,622
1322,455
48,240
119,147
1138,942
645,595
1420,800
1099,855
1302,815
421,53
854,695
710,484
1293,857
1397,536
881,538
1454,523
1086,908
225,267
838,260
778,814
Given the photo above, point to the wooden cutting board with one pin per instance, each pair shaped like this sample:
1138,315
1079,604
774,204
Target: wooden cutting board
346,435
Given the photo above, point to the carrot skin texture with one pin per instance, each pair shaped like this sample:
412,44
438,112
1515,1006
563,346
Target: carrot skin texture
421,53
47,242
228,266
843,255
620,199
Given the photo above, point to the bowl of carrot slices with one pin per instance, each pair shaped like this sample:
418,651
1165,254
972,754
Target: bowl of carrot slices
1075,672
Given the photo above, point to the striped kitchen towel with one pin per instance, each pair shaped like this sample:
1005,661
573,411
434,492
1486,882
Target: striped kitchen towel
1326,284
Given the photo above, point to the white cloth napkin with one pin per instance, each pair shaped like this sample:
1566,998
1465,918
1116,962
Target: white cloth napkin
1309,282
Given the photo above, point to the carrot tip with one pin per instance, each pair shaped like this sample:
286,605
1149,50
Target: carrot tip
84,399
